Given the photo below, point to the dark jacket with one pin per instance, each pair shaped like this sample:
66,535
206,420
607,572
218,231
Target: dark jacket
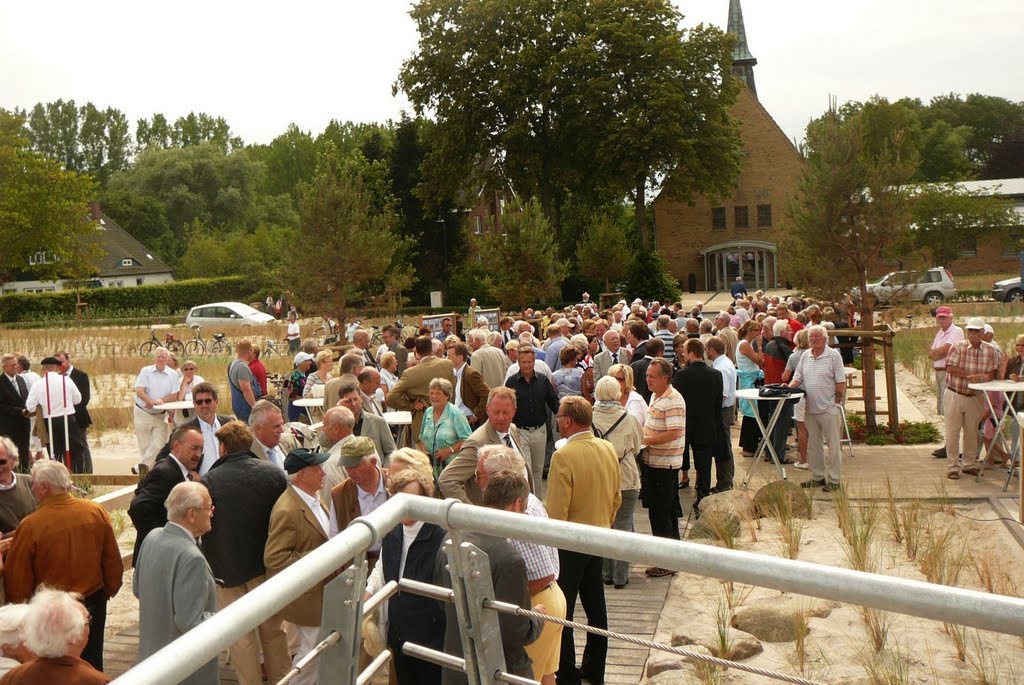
147,508
166,449
701,388
640,376
412,617
81,380
244,490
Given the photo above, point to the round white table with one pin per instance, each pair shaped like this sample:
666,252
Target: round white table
308,403
175,405
754,395
1009,390
402,421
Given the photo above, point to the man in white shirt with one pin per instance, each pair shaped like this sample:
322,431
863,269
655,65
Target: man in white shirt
267,425
156,384
57,396
339,427
369,381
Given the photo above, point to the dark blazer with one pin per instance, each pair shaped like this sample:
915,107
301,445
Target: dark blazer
12,423
166,449
701,388
147,508
640,376
81,380
413,617
474,393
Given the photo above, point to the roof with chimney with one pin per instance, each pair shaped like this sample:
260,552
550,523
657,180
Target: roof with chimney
123,255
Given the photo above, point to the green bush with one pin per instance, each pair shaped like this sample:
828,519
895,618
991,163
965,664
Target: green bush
650,279
911,432
167,299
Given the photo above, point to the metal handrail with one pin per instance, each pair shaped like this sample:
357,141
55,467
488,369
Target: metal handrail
916,598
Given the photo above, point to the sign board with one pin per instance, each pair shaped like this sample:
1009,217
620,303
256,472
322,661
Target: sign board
436,299
493,316
433,322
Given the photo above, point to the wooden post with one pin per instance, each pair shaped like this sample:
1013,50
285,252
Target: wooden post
889,359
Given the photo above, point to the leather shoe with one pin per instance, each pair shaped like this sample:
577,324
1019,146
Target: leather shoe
813,483
939,453
619,586
658,572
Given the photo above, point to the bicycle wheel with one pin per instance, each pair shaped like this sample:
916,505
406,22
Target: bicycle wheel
220,347
194,347
147,347
176,347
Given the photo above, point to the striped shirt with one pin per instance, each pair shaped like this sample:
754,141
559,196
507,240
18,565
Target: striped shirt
819,376
666,337
665,413
541,561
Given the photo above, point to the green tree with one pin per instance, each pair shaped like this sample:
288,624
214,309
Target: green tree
289,159
850,216
649,279
521,258
144,218
256,254
43,212
948,220
358,259
605,254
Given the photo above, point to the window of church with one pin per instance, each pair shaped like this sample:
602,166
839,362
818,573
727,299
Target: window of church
741,216
718,218
764,216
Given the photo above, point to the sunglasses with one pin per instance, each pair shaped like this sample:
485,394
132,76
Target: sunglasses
203,401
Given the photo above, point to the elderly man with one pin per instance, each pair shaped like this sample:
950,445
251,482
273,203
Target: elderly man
245,491
14,417
946,336
412,390
338,428
541,561
156,384
244,388
147,507
486,359
298,525
583,488
470,387
663,333
16,498
613,354
969,361
13,651
67,544
361,341
56,396
664,443
369,381
173,582
56,629
207,422
535,396
366,424
820,373
389,335
458,480
267,425
361,493
556,332
728,335
349,367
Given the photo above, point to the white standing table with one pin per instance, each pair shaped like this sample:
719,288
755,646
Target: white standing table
753,394
1009,390
308,403
402,420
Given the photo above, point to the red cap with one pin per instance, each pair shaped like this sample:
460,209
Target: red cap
944,311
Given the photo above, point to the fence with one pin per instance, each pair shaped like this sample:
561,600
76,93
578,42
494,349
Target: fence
344,599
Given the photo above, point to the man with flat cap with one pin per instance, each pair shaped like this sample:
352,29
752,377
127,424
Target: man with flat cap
298,525
57,396
362,492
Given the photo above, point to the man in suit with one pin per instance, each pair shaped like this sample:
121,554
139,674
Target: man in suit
369,381
147,508
614,353
470,387
298,525
655,348
702,390
361,493
486,359
389,335
14,418
583,487
366,424
267,425
361,342
174,584
81,380
458,479
207,421
637,334
412,390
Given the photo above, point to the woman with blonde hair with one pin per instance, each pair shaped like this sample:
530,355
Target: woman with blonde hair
324,366
748,370
628,396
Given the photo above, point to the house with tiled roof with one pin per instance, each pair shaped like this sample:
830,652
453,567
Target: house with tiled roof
124,262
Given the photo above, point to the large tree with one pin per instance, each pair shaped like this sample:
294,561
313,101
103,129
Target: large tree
584,99
850,216
44,224
356,257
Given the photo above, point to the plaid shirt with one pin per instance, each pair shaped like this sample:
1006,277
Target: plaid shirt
971,360
541,560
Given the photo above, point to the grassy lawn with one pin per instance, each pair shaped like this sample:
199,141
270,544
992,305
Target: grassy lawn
980,281
911,346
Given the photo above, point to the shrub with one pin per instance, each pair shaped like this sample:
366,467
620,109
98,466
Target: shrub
649,278
911,432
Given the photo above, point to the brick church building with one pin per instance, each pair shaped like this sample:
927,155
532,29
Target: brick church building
739,235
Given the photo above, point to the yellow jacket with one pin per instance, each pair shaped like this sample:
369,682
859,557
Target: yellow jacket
583,482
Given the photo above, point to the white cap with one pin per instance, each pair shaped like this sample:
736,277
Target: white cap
975,323
989,330
302,357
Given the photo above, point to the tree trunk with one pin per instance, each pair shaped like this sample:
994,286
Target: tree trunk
867,357
640,210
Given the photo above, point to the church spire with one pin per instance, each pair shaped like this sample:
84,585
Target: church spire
742,61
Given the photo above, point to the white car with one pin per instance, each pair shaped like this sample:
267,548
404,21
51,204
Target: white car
930,286
226,314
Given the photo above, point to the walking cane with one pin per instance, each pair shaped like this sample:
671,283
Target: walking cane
67,435
49,410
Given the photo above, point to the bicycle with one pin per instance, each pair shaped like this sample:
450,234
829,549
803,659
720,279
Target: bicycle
170,342
218,346
196,345
270,347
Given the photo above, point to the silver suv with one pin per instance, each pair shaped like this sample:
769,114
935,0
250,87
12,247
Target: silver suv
931,287
1008,291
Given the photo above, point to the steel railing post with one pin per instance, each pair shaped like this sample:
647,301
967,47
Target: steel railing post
343,612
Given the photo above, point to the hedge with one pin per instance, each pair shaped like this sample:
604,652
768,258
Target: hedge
167,299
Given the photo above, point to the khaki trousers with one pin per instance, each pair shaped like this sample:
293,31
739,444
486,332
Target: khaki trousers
824,428
533,443
269,635
963,414
152,431
940,389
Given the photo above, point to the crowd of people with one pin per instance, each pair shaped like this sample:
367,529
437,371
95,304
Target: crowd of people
613,403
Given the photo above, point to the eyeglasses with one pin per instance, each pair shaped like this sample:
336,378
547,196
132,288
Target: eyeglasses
207,400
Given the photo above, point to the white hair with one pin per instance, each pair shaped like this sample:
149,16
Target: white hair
9,447
52,473
260,412
184,496
501,458
55,621
780,327
526,338
12,624
819,329
607,389
477,334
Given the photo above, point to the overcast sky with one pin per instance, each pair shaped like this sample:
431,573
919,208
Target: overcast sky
264,65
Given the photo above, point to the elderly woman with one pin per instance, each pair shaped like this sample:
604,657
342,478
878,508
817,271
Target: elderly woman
56,629
407,458
628,396
802,345
748,370
388,372
613,423
324,365
444,427
189,379
410,551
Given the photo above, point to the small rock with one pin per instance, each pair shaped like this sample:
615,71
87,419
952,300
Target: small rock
662,662
772,620
715,525
741,646
681,638
768,499
699,649
738,502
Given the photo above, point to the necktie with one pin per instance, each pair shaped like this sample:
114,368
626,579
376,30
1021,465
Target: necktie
508,441
272,456
615,357
188,476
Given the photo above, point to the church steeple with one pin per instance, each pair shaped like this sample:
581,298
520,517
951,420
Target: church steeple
742,61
